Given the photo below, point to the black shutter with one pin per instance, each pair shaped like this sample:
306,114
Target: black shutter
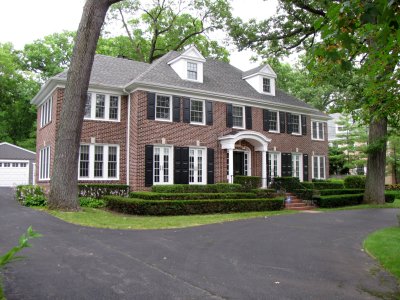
181,165
186,110
209,113
305,167
266,117
249,123
148,158
268,174
286,165
282,122
289,123
229,116
303,125
176,116
151,106
210,166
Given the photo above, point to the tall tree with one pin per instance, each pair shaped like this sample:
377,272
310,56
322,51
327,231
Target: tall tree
357,35
64,182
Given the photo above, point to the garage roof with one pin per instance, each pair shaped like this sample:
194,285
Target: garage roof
10,151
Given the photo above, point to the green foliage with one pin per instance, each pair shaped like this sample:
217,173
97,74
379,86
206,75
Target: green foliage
338,200
248,182
288,184
304,194
389,198
354,182
192,196
328,185
91,202
264,193
392,187
99,190
188,207
30,195
11,254
191,188
307,185
340,192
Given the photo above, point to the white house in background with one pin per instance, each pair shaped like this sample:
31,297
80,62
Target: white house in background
17,165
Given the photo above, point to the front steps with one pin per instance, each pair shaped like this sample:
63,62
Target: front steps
296,203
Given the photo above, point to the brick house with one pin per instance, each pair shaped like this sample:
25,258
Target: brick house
184,119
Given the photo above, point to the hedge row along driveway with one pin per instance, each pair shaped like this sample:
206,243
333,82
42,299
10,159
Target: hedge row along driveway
300,256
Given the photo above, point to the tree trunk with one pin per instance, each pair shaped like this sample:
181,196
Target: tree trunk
375,183
64,177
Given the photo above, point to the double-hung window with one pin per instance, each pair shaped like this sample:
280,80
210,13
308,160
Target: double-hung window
274,121
295,123
317,130
238,116
197,111
98,162
266,85
45,112
192,70
163,108
102,107
318,167
44,164
197,166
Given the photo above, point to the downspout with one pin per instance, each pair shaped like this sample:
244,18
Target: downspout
128,136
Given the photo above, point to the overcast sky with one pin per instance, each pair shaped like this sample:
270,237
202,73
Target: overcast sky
23,21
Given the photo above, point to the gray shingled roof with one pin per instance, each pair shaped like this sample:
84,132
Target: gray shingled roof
113,71
252,71
218,77
8,151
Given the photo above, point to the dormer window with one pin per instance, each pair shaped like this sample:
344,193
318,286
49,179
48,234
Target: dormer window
266,85
192,71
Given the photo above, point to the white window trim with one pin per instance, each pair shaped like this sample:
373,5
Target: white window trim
279,163
47,162
270,85
197,72
300,165
170,108
312,131
243,116
204,112
170,164
277,123
106,107
319,163
300,128
105,163
46,111
204,165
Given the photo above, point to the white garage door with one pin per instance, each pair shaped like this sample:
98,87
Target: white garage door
14,173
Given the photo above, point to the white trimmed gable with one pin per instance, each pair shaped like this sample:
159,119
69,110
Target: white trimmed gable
189,65
260,76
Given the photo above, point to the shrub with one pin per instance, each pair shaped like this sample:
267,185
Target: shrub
354,182
338,200
395,193
192,188
264,193
304,194
188,207
389,198
191,196
340,192
100,190
31,195
248,182
307,185
91,202
289,184
328,185
392,187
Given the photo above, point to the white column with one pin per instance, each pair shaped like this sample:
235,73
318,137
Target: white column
264,169
230,168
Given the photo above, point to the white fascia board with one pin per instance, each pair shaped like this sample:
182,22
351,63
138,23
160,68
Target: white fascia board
220,97
260,74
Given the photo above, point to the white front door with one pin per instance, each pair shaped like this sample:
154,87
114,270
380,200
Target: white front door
14,173
162,165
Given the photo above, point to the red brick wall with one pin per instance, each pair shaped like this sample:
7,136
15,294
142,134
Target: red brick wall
146,132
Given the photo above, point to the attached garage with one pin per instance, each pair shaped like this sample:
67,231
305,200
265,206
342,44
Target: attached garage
16,165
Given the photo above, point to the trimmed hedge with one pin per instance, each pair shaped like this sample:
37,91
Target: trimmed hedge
193,188
248,182
289,184
99,190
190,196
392,187
307,185
338,200
389,198
264,193
189,207
304,194
30,195
340,192
328,185
355,182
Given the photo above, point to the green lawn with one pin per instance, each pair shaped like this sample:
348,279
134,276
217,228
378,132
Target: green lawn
395,204
384,245
104,219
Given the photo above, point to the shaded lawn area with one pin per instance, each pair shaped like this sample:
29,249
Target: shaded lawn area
384,245
105,219
395,204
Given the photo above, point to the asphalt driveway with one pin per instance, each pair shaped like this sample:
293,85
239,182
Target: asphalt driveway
302,256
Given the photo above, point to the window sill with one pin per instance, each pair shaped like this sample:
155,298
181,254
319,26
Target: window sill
296,134
234,127
318,140
273,131
197,124
102,120
98,179
163,120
